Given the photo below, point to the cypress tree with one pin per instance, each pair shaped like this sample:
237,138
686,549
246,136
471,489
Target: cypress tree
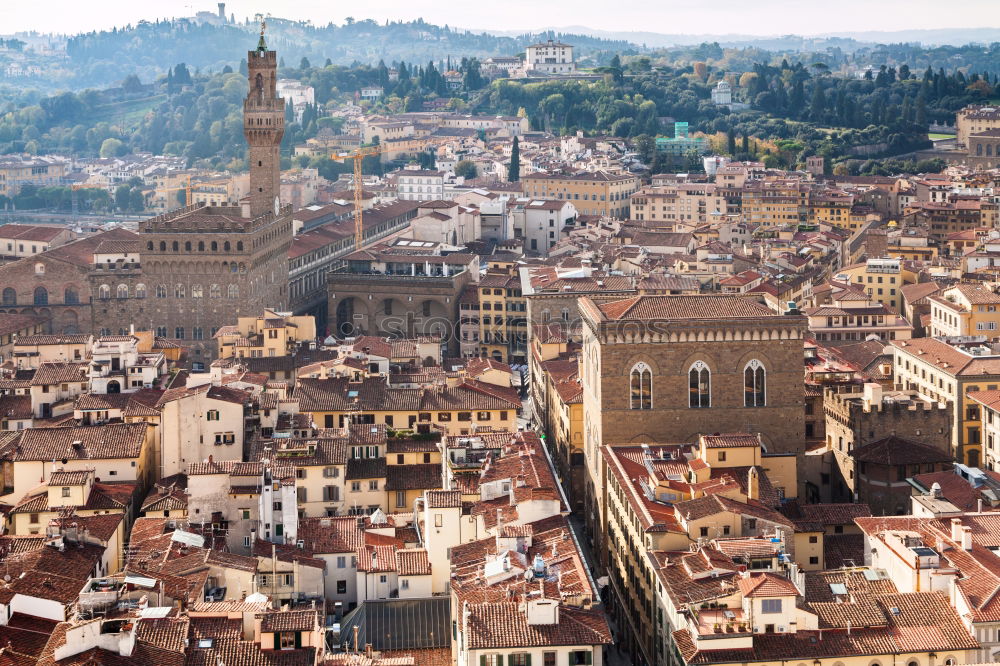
514,172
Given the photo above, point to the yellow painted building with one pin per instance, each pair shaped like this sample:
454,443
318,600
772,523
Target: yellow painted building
272,334
943,373
601,193
965,309
882,279
461,410
503,328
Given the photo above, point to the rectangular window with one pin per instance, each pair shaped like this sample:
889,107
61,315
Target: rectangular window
400,498
770,605
341,587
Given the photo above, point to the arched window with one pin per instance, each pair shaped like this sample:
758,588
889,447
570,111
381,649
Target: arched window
979,149
989,150
161,291
233,267
176,246
754,384
239,246
201,246
214,246
699,385
196,291
179,291
9,296
225,246
41,296
214,291
641,387
104,292
234,291
163,246
70,297
187,246
123,291
149,246
140,290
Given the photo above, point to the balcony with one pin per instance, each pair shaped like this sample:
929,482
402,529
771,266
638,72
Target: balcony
721,623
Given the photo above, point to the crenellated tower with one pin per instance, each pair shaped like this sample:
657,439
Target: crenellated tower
263,127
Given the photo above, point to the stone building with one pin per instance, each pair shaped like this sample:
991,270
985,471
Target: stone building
665,369
202,267
55,284
858,417
400,289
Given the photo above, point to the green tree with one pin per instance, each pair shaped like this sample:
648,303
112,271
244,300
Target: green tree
112,148
466,169
514,171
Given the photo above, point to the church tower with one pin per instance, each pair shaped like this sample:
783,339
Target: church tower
263,127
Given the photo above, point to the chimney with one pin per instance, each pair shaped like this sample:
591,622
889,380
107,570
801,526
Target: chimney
956,530
873,394
966,538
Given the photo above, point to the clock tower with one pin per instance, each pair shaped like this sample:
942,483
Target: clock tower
263,127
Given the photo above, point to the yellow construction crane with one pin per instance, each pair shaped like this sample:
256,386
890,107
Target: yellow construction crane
187,191
358,156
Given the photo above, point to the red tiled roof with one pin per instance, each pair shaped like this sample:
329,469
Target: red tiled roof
767,585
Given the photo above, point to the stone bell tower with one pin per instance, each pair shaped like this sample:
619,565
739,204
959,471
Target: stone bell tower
263,127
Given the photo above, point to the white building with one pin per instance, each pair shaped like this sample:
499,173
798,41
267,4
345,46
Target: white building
550,58
539,222
413,184
117,365
200,423
722,94
297,94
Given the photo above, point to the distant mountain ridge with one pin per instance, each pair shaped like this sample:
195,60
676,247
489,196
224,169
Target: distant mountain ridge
926,37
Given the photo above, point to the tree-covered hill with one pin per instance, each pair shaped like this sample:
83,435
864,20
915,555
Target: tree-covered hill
147,49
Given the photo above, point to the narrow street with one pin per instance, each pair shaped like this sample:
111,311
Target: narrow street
612,656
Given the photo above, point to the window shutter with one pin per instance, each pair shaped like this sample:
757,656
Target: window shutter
482,660
527,659
277,641
587,657
499,660
298,640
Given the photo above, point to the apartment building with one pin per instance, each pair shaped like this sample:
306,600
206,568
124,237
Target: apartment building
946,373
592,192
965,310
16,171
690,203
420,185
882,279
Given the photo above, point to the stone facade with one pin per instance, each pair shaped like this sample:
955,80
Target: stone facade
202,267
859,417
669,347
404,306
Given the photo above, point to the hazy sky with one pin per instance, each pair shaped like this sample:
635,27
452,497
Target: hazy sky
764,17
